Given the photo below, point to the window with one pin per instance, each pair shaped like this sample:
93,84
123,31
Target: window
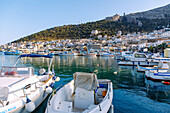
17,71
140,55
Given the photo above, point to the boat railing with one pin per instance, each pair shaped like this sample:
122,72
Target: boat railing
106,97
22,88
52,94
25,87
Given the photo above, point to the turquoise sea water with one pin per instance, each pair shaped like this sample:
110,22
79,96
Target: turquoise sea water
132,92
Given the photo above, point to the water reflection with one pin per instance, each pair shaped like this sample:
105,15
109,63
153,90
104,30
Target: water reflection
158,91
131,89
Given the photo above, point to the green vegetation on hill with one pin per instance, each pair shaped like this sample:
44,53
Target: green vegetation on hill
84,30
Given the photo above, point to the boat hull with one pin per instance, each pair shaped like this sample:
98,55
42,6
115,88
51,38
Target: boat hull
103,107
37,102
162,76
38,97
135,63
107,55
90,55
8,53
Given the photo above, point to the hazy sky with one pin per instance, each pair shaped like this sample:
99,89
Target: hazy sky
19,18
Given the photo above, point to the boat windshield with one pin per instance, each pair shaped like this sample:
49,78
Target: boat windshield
17,71
140,55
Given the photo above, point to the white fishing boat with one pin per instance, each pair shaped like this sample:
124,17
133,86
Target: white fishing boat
66,53
21,91
140,59
162,59
124,55
107,54
161,66
159,75
90,54
84,94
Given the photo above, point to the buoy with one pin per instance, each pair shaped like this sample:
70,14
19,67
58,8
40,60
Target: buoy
57,79
166,83
29,106
115,72
54,77
49,90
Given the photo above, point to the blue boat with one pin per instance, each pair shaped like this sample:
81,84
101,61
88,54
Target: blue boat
13,52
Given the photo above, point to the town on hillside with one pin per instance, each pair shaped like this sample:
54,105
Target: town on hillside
153,42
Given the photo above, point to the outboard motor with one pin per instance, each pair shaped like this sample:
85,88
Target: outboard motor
41,71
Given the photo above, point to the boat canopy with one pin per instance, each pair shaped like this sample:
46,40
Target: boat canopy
35,55
86,81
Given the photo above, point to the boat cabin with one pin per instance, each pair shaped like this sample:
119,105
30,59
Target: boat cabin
139,57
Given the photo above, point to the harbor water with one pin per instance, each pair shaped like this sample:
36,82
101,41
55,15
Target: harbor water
132,92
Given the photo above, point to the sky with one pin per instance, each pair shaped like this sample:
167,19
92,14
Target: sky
19,18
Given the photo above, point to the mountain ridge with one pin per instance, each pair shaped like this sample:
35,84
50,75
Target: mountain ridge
145,21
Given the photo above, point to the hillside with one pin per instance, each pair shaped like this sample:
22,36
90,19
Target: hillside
158,13
137,22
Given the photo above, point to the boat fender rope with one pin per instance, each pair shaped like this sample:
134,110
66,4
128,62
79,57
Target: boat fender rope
2,103
96,90
138,63
28,100
45,90
51,85
29,106
54,77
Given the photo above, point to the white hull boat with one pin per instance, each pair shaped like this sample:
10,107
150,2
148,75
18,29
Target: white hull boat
159,75
21,91
90,54
140,59
66,53
140,63
84,94
108,55
161,66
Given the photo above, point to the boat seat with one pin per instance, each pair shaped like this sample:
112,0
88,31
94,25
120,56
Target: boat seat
100,94
65,106
83,98
100,91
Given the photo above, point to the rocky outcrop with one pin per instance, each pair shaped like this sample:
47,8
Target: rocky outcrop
113,18
158,13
